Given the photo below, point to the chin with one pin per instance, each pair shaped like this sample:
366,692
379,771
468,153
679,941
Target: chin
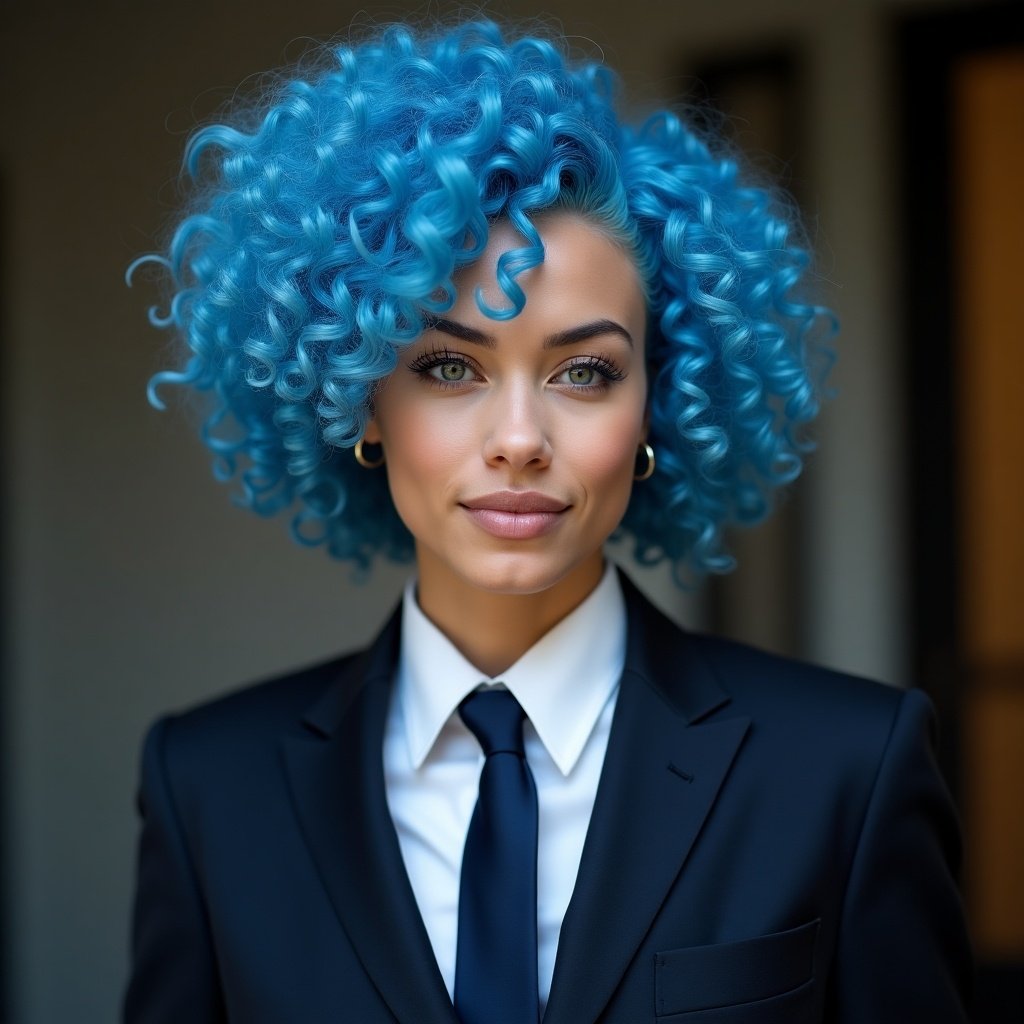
514,577
517,574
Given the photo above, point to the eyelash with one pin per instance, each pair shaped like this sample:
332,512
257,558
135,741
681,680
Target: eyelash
608,372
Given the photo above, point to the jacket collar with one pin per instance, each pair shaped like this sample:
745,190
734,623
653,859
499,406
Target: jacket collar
665,658
370,668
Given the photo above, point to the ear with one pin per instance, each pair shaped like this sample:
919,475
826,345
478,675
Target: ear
371,435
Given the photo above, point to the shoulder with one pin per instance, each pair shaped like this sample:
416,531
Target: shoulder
235,727
800,714
750,680
755,676
816,717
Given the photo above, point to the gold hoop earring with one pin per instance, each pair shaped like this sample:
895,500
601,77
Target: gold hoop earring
363,460
649,468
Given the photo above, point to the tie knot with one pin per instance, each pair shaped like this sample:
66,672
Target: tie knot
495,717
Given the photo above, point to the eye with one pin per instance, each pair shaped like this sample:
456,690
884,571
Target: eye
591,374
581,375
450,372
444,368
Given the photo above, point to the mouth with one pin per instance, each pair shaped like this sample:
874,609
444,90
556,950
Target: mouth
516,502
515,515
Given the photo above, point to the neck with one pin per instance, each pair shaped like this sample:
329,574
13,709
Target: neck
494,630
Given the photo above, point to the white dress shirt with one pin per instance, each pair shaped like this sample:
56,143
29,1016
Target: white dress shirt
567,684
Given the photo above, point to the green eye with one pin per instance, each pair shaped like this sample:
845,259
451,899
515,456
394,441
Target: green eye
582,375
452,371
444,367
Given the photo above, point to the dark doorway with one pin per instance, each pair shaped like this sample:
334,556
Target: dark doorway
961,74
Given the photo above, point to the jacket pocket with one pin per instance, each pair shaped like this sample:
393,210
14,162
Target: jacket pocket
734,973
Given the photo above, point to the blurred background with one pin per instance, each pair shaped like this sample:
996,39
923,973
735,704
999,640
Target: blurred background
132,585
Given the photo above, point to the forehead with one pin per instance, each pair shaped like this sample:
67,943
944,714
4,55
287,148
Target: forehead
585,274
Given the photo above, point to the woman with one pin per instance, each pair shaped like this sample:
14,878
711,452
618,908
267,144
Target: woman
450,307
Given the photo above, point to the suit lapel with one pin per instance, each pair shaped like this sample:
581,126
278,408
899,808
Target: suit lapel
335,770
662,773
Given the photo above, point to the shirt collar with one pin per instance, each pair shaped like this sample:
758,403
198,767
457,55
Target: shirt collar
563,681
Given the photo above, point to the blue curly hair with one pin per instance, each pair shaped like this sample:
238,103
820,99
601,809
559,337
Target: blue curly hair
329,219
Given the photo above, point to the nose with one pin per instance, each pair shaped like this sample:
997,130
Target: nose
517,434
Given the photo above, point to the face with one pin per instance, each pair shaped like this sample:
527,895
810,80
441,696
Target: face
510,445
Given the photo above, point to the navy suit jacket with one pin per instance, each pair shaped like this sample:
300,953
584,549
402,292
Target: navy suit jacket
770,842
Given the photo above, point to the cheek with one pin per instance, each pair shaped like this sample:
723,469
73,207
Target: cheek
423,446
605,456
607,469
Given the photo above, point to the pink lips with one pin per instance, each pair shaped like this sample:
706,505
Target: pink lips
515,515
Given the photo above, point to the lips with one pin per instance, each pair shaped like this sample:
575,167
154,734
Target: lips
517,502
515,515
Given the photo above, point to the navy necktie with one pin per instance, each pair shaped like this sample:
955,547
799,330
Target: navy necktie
496,953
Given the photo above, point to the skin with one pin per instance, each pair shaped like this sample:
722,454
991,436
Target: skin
551,402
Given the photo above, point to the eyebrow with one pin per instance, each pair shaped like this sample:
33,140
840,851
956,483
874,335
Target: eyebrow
570,336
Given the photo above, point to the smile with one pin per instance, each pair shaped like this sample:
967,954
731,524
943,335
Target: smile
515,515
